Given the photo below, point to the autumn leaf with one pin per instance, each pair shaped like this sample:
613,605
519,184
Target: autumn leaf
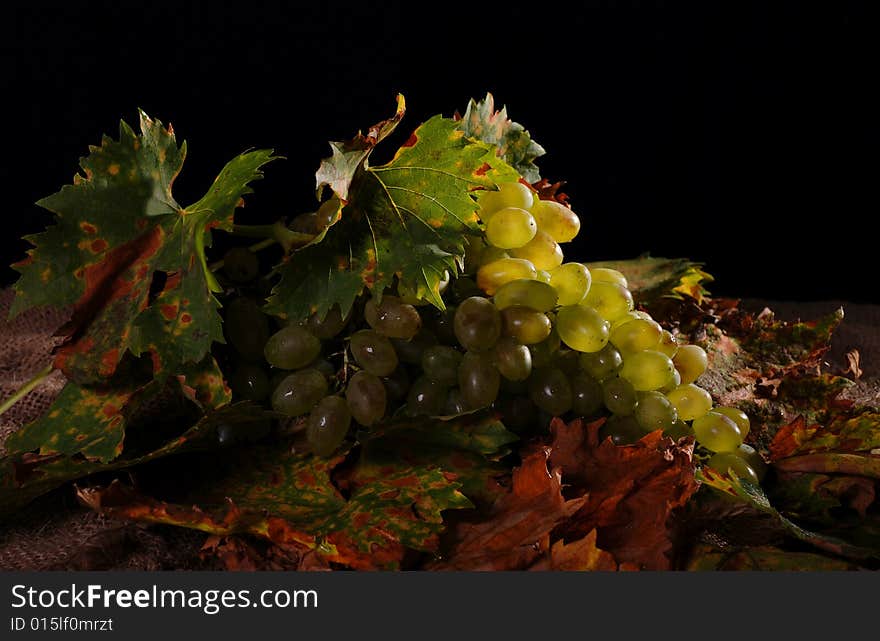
842,434
115,227
404,220
762,558
581,555
515,145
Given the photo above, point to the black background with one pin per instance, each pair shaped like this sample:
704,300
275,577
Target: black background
743,135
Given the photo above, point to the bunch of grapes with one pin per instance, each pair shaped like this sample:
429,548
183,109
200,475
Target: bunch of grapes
523,332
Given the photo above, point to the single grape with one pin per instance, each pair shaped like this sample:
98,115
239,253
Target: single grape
636,336
717,432
329,326
392,318
425,398
478,380
554,218
249,382
608,275
544,352
373,352
510,228
679,429
396,385
609,299
619,396
518,413
292,347
512,194
477,324
622,430
668,345
625,318
440,364
328,424
366,398
543,275
690,361
647,370
526,325
491,254
513,359
690,401
567,360
602,364
454,403
299,392
572,282
582,328
550,390
526,292
750,456
410,351
727,462
542,251
240,265
246,328
671,383
737,416
493,275
653,411
587,395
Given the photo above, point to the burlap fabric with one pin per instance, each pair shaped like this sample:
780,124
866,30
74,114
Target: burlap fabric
55,533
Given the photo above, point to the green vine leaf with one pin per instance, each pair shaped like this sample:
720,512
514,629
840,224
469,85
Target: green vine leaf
115,227
405,220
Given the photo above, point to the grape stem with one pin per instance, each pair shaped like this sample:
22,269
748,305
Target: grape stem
23,391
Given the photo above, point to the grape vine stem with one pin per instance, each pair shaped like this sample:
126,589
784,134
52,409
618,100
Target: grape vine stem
25,389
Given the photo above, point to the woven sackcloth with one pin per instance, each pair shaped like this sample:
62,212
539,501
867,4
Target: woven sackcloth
54,532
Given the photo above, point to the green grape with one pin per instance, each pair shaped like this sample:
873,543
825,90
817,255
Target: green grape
556,219
240,265
526,325
291,347
609,299
750,456
608,275
329,326
690,361
679,429
636,336
366,397
542,251
328,424
373,352
690,401
299,392
491,254
528,293
587,396
622,430
582,328
440,364
493,275
425,398
602,364
477,324
550,390
518,413
737,416
543,352
619,396
727,462
249,382
396,384
647,370
668,345
513,359
454,403
392,318
478,380
653,411
572,282
410,351
567,360
717,432
473,253
672,382
246,328
543,276
625,318
513,194
510,228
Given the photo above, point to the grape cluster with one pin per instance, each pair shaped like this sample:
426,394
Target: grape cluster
523,332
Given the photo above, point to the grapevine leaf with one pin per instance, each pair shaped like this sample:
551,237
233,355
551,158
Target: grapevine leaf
515,145
762,558
117,225
404,220
581,555
650,277
843,434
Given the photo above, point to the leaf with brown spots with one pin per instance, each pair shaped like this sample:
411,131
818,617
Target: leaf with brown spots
115,227
404,221
629,492
844,433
